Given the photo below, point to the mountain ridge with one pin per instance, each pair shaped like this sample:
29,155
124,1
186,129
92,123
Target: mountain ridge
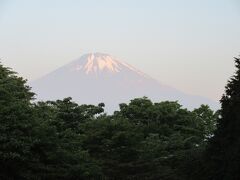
99,77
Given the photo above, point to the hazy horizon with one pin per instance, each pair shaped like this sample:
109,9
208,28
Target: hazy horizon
187,45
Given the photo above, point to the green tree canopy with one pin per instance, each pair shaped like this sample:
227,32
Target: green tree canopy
223,155
17,125
63,140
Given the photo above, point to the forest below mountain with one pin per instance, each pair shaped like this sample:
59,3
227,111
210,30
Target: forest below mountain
142,140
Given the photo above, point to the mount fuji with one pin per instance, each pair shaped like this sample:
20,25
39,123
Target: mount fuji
98,77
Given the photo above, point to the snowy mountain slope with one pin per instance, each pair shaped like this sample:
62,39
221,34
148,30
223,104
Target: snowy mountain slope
99,77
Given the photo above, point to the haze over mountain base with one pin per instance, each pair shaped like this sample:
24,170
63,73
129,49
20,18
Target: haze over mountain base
98,77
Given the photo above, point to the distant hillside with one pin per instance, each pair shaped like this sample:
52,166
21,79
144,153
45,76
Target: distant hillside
99,77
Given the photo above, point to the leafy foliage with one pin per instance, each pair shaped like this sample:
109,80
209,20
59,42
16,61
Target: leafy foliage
222,157
17,130
63,140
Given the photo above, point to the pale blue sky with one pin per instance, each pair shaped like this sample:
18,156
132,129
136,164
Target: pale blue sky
187,44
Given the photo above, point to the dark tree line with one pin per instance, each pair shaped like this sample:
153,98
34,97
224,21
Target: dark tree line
223,152
143,140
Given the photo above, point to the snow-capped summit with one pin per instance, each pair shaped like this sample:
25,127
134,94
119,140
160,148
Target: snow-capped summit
98,62
95,62
98,77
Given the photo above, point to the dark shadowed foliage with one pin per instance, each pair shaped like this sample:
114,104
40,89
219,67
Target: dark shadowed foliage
142,140
223,153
